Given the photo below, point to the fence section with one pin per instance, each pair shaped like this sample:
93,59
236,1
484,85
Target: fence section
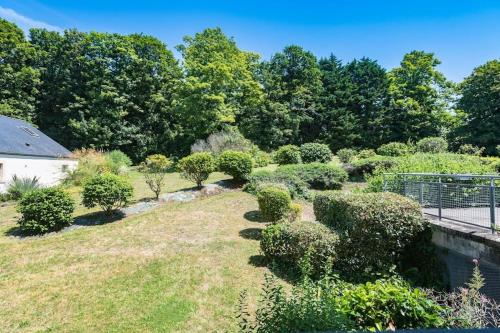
470,199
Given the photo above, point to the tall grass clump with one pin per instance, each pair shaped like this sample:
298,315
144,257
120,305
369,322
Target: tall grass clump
22,185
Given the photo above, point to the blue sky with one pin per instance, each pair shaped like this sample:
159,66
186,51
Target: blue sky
462,33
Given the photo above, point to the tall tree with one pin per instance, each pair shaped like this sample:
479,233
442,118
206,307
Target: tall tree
19,80
220,83
107,91
292,83
480,104
420,98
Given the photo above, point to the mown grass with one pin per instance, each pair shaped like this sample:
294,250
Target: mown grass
179,268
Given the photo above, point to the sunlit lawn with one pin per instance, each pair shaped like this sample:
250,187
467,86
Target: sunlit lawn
178,268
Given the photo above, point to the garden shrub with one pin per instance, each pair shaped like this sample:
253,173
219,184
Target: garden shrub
318,175
366,153
154,169
432,145
375,228
259,179
219,142
331,305
261,158
445,163
289,243
236,164
197,167
274,203
346,155
367,166
288,154
394,149
44,210
315,152
90,163
19,186
469,149
118,162
295,212
107,191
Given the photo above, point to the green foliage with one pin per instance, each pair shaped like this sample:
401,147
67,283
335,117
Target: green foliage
228,139
366,153
318,175
154,169
346,155
432,145
469,149
446,163
288,243
259,179
220,83
374,228
274,203
261,158
118,161
236,164
90,162
19,186
107,191
44,210
333,305
480,103
288,154
19,78
367,166
197,167
394,149
315,152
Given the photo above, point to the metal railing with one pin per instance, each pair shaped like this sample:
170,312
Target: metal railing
469,199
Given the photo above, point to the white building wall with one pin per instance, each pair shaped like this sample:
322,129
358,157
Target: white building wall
50,171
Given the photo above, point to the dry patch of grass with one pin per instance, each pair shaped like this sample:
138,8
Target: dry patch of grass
178,268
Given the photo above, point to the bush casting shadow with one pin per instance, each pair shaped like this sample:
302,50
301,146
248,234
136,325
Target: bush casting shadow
254,216
251,233
257,260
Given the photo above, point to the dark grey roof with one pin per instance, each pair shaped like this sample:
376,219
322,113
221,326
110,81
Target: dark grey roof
17,137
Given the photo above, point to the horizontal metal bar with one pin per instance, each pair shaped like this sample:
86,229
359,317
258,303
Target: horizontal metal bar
459,221
471,176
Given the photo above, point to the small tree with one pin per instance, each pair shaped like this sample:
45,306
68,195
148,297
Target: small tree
107,191
197,167
154,169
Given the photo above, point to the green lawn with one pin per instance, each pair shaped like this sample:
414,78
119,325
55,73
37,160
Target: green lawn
178,268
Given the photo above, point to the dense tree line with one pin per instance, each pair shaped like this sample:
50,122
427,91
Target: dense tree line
128,92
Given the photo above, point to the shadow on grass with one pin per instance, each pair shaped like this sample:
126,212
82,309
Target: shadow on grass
257,260
251,233
98,218
254,216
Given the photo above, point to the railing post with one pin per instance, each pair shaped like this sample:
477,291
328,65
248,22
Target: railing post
440,198
492,205
421,193
404,185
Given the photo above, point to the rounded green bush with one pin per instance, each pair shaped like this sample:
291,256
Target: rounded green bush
118,161
44,210
259,179
236,164
375,228
366,153
346,155
367,166
288,243
288,154
318,175
315,152
432,145
394,149
274,203
469,149
107,191
197,167
261,158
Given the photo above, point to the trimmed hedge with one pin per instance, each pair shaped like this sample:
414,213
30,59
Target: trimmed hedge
319,176
315,152
346,155
274,203
366,153
197,167
394,149
367,166
288,243
107,191
375,228
288,154
259,179
236,164
44,210
432,145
